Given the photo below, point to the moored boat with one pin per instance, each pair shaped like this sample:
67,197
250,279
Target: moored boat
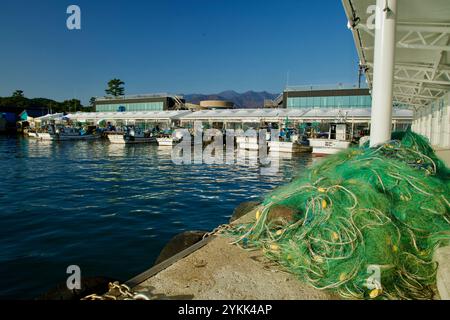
66,134
130,136
288,147
247,143
169,140
328,146
335,141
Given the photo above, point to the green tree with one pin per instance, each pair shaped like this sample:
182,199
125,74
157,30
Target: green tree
115,88
18,94
72,105
92,102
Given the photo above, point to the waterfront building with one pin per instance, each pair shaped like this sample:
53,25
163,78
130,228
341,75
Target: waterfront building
337,97
136,103
357,118
216,104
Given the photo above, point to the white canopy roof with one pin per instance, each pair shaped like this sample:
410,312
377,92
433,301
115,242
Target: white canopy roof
140,115
49,117
275,115
422,68
243,114
362,113
234,115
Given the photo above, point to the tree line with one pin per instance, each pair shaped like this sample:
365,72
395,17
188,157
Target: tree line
18,102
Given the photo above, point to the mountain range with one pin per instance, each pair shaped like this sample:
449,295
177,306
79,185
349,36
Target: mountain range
249,99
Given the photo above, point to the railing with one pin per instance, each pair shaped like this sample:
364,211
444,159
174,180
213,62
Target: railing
338,86
140,96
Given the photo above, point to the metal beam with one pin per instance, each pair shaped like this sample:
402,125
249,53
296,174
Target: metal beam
419,80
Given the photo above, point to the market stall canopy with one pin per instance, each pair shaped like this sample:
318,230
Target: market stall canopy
139,115
50,117
280,115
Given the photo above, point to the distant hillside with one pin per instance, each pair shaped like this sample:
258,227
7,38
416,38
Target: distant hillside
249,99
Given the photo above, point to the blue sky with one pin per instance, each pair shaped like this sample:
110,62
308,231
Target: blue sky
176,46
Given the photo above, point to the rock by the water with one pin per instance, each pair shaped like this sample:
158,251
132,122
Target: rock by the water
179,243
281,215
89,285
242,209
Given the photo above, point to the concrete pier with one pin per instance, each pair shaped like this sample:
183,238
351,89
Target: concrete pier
219,270
443,154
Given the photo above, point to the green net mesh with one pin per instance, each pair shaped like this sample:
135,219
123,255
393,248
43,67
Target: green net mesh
365,221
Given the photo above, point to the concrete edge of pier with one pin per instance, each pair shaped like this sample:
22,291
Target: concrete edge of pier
214,269
442,255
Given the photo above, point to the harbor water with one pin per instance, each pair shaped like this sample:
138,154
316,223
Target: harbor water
108,208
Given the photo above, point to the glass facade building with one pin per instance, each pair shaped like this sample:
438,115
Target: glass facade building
131,107
330,102
328,98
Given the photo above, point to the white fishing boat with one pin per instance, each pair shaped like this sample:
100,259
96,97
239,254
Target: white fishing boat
43,136
165,141
288,147
336,141
66,134
169,140
247,143
288,142
131,136
328,146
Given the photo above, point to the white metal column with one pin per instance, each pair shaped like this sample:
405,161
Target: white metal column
383,77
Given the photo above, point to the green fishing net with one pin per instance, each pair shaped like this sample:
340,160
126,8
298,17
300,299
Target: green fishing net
366,221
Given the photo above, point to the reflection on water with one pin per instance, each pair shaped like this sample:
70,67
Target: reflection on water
109,208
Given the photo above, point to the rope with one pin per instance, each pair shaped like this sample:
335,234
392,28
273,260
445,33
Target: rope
118,292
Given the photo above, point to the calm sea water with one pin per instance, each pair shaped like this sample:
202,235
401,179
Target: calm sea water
108,208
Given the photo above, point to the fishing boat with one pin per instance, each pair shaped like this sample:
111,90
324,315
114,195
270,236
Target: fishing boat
289,142
41,134
167,139
66,134
131,136
289,147
247,143
44,136
334,142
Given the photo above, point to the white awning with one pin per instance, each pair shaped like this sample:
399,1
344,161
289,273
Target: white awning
277,115
49,117
140,115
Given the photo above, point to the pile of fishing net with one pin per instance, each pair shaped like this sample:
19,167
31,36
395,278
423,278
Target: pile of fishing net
365,222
